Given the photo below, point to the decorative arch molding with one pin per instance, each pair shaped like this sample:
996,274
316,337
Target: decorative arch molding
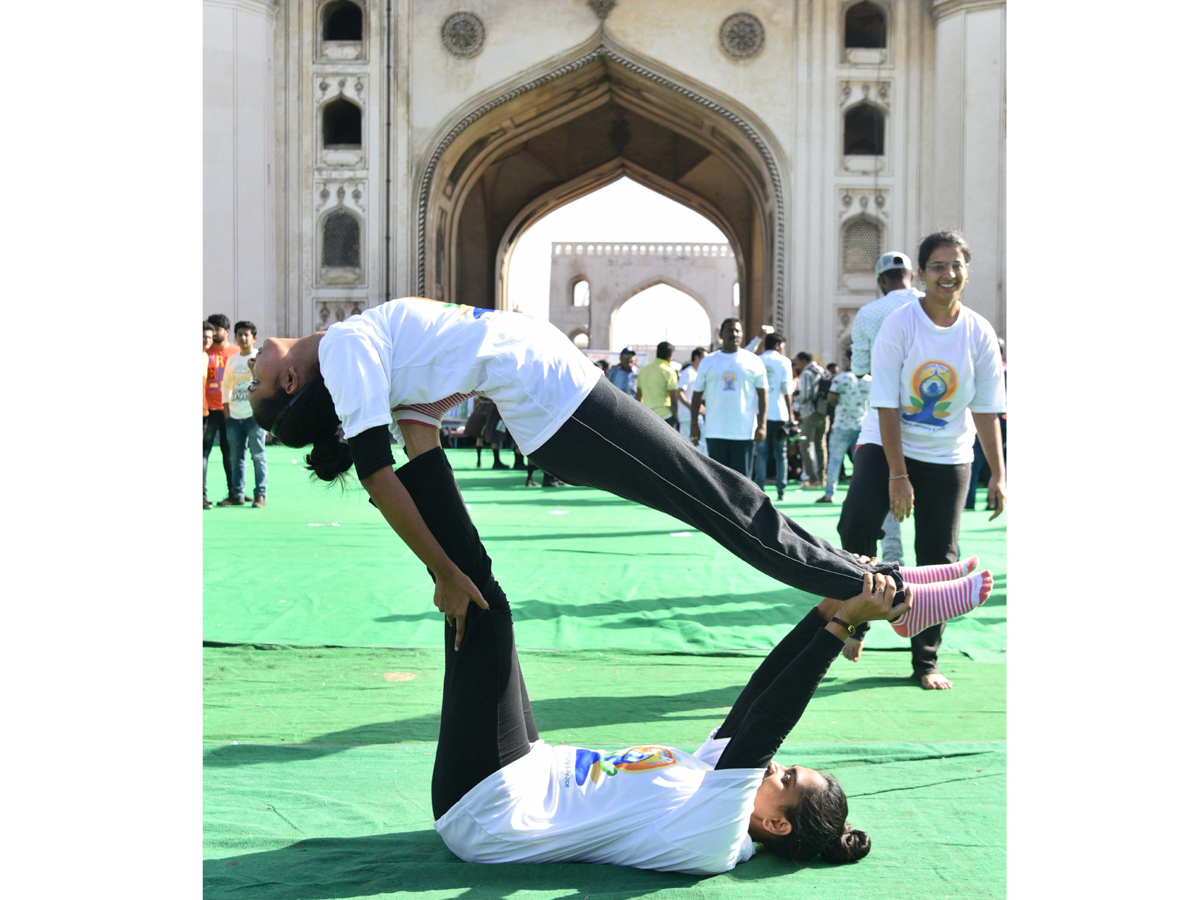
602,48
591,182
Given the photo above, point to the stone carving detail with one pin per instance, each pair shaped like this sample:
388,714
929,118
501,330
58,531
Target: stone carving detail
463,34
324,85
857,201
342,194
338,309
602,52
357,195
602,8
742,36
324,193
358,86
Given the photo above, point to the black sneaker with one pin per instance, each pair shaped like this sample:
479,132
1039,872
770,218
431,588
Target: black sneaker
207,505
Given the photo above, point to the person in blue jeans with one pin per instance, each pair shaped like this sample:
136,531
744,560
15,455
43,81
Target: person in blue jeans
243,432
780,389
849,397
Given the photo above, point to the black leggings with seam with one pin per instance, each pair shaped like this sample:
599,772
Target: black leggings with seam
487,721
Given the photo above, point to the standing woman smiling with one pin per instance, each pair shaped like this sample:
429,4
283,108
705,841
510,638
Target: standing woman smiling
932,361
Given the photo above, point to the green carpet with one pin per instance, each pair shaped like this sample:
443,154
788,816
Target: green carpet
322,688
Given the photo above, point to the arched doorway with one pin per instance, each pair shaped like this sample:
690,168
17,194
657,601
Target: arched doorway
662,312
587,120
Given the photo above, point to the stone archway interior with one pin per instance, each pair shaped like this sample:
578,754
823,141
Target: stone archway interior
551,144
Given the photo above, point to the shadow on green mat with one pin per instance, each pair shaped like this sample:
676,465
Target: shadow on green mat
756,612
324,868
561,714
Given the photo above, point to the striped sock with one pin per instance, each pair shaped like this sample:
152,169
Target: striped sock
932,604
947,572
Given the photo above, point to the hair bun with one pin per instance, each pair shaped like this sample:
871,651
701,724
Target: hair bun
330,458
853,845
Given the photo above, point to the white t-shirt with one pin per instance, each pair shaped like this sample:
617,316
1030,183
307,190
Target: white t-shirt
687,384
779,385
933,375
854,395
411,360
650,807
730,383
233,385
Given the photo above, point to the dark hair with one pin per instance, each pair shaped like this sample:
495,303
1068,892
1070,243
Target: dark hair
819,828
603,364
699,351
937,239
773,340
804,356
726,322
664,349
249,326
208,326
892,276
218,320
311,419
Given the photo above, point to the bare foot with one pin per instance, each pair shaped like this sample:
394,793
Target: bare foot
936,681
852,649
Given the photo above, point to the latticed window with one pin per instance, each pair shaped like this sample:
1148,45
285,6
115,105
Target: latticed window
860,246
340,241
341,21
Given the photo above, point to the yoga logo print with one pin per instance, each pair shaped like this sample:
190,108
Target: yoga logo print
933,384
593,765
728,380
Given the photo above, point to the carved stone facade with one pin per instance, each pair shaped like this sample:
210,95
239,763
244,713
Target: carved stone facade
444,131
616,272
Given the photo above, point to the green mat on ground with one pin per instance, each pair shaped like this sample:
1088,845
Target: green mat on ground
323,675
582,568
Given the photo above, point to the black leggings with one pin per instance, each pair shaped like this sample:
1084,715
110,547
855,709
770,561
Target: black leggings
214,429
616,444
486,722
939,491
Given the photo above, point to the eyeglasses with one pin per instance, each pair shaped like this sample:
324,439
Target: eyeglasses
938,268
287,409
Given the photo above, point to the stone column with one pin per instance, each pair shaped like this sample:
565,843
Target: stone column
239,147
967,123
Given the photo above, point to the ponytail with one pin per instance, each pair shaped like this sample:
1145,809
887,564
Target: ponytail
329,459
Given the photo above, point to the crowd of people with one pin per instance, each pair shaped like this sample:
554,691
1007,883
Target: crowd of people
697,444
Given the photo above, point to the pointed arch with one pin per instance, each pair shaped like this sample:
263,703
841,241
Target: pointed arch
720,140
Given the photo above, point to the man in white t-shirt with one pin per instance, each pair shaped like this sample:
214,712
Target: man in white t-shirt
683,396
728,383
894,276
242,430
779,414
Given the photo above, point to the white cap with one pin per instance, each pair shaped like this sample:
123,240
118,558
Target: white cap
893,259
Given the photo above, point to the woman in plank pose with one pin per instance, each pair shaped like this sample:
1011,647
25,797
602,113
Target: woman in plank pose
401,365
500,794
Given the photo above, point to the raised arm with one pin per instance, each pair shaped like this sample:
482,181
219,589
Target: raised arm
778,693
453,591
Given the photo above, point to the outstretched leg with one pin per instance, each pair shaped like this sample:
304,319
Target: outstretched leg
486,722
616,444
